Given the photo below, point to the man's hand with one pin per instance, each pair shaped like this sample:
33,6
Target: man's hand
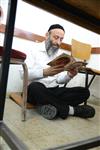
73,72
50,71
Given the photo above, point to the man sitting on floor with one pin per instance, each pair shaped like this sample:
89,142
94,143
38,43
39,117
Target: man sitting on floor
45,90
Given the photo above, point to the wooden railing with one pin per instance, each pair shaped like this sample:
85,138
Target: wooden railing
38,38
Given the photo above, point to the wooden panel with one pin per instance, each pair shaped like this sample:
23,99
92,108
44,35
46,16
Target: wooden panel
91,7
24,34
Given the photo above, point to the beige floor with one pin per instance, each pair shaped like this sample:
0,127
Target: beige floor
40,134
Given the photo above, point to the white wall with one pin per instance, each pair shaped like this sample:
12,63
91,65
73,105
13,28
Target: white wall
31,21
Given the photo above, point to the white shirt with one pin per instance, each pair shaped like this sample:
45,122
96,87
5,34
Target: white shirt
37,60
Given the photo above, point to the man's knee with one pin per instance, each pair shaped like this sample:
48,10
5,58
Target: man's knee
35,86
87,92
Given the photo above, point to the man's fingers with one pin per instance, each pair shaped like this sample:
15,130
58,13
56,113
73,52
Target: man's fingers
58,70
58,66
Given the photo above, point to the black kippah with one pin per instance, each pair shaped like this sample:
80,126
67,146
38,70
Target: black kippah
56,26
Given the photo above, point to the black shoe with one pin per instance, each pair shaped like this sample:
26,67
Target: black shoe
47,111
84,111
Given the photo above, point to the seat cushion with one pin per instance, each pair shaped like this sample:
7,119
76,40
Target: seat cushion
15,54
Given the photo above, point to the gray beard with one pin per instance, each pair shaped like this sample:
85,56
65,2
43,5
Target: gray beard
51,50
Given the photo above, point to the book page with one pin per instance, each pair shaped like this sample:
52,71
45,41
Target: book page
62,59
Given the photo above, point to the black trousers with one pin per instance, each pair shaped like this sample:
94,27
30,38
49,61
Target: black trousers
60,97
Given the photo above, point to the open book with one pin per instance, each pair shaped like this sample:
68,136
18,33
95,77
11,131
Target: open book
67,61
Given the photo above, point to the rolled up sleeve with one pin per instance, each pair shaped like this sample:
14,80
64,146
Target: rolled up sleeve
63,78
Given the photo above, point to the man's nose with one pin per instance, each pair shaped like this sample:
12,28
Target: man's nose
58,41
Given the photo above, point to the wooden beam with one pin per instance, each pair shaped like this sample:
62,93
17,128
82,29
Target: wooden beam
38,38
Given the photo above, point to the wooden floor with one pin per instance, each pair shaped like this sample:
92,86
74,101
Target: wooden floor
40,134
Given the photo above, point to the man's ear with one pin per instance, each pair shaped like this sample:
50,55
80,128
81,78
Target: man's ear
46,35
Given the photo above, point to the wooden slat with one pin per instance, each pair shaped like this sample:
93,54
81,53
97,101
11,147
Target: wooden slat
91,7
38,38
96,50
17,98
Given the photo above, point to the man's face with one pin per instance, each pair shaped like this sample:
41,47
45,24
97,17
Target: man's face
54,40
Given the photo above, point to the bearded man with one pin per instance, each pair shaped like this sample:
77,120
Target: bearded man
46,89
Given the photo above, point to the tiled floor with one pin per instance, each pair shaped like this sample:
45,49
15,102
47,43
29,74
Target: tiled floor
39,134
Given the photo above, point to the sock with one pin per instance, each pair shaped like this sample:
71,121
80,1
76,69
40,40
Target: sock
71,110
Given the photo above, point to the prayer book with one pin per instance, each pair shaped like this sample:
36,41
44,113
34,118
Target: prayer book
67,61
